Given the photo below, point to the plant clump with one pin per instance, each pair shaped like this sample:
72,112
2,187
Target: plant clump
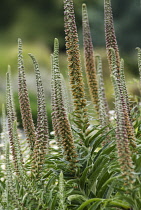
96,164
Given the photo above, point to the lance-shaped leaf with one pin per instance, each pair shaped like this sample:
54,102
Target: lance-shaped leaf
26,114
89,58
62,125
74,65
41,144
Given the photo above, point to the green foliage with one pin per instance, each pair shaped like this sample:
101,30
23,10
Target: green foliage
94,165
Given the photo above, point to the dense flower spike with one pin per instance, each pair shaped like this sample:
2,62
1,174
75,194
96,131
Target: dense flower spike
62,125
10,182
124,88
11,98
11,118
139,62
17,147
74,65
122,140
89,58
4,134
111,43
124,99
10,115
124,131
42,142
103,105
24,102
110,36
54,120
61,193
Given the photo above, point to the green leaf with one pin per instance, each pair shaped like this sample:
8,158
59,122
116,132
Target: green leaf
96,171
86,203
53,203
77,197
90,139
96,205
107,149
115,203
83,178
105,186
47,174
104,176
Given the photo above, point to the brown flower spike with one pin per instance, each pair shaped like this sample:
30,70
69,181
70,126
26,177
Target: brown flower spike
60,120
74,65
89,58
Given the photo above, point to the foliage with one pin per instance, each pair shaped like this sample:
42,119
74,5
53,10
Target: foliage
95,163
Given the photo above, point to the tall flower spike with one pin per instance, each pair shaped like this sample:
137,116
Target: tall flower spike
13,112
17,146
11,118
117,65
139,62
123,84
62,125
42,142
122,141
125,108
66,95
61,192
54,119
74,66
26,114
89,58
110,36
103,105
11,185
4,134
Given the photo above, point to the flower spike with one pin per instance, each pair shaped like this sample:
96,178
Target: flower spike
74,66
89,58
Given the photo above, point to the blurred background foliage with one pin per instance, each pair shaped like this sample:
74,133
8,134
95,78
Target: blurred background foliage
38,22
